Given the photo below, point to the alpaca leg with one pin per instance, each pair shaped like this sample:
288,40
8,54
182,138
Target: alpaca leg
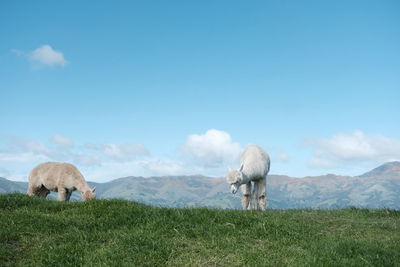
68,195
62,194
262,194
43,192
35,191
31,190
246,190
254,196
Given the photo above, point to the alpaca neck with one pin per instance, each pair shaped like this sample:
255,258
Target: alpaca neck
245,178
82,187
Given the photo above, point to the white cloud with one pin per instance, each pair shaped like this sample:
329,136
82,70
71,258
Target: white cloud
62,141
280,155
124,152
46,55
18,144
214,148
343,149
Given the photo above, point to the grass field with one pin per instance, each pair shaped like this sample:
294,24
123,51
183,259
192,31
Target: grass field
35,232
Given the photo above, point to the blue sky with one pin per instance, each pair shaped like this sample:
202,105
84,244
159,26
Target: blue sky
181,87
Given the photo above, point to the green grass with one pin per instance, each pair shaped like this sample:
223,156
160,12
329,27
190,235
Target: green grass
35,232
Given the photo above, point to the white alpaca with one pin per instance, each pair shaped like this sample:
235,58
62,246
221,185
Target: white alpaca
254,167
59,177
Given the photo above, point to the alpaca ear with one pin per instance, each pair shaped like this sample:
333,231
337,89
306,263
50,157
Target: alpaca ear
93,189
241,168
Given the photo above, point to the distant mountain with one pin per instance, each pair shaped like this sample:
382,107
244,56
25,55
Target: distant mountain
171,191
7,186
390,169
377,188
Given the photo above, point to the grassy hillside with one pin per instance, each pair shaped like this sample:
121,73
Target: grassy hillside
121,233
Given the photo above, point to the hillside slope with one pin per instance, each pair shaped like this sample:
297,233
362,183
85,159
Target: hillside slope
35,232
379,188
7,186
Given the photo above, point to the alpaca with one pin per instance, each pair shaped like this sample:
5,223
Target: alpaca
59,177
254,167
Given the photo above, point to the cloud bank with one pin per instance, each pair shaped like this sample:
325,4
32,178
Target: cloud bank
61,148
209,153
357,147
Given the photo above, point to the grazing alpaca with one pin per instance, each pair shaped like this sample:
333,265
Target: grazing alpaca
59,177
254,167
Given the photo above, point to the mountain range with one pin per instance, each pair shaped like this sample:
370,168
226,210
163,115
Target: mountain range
378,188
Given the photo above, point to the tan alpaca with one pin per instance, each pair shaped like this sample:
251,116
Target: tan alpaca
59,177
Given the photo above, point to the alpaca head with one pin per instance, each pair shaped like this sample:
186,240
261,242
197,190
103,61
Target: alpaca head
89,194
234,178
